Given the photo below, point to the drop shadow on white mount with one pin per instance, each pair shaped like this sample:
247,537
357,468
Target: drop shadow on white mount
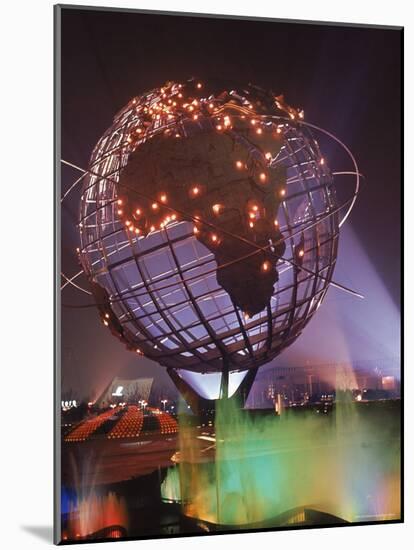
43,532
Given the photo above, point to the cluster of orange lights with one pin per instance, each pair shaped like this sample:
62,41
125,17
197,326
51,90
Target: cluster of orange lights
106,319
263,178
130,424
253,214
139,213
214,238
171,105
168,424
164,109
85,429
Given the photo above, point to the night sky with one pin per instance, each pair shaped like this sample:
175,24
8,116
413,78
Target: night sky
347,80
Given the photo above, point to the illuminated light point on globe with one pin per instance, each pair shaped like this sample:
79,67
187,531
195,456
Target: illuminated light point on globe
209,228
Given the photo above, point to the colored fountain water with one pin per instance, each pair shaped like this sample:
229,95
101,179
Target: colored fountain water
94,513
260,466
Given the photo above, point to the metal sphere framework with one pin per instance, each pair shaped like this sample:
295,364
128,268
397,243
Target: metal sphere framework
155,269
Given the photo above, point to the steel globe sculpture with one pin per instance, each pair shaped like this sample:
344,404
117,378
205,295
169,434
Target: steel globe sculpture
209,229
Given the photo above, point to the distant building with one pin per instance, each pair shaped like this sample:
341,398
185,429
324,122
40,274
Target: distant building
126,391
310,383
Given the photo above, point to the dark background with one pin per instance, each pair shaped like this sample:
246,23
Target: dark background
347,80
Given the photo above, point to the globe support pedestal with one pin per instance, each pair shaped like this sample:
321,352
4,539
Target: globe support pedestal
224,384
199,404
